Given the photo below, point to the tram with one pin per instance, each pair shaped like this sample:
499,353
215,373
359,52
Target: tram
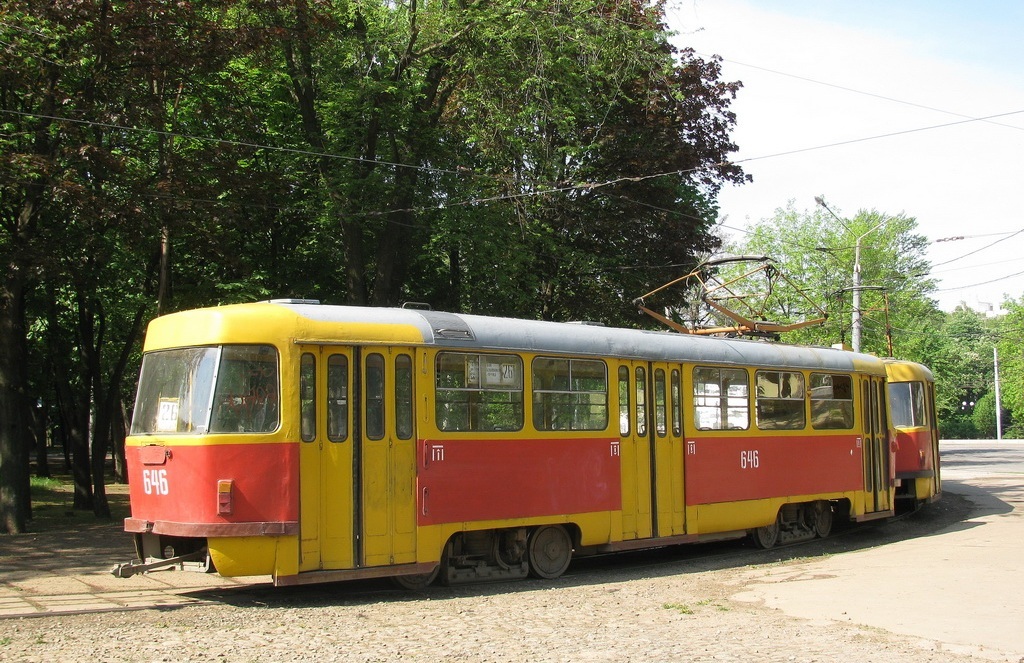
318,443
911,390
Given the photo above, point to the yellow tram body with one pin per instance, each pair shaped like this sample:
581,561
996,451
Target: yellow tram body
399,442
911,389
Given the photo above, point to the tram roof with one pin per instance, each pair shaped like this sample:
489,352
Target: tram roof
900,370
493,333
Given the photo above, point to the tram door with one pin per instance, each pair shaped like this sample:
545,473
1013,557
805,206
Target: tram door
666,432
877,463
357,458
933,427
635,449
387,457
326,457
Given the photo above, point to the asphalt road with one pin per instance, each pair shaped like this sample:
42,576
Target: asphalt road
960,587
978,458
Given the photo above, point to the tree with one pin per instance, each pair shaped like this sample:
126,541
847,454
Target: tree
74,178
30,179
984,416
510,158
960,357
816,251
1011,364
450,143
612,173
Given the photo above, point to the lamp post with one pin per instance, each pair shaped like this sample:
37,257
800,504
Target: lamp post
855,327
999,407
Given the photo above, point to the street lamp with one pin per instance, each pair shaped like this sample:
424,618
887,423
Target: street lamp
855,331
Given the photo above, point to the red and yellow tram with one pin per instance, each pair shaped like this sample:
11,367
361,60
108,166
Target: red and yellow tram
911,390
317,443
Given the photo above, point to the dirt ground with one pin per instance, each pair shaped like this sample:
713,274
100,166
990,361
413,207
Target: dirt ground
673,604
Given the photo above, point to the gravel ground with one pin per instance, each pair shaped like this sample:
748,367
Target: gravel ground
668,605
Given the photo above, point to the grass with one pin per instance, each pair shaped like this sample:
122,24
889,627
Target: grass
681,608
684,609
53,501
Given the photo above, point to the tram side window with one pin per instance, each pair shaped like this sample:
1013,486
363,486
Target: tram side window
337,398
478,392
906,402
831,401
677,403
403,397
721,398
660,404
570,394
373,397
641,400
623,401
307,397
780,400
246,396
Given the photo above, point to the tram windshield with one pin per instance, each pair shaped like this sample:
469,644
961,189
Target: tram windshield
223,389
906,402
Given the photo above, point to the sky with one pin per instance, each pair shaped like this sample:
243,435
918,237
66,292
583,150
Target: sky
880,106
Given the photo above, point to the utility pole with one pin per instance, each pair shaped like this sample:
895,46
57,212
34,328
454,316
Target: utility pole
855,332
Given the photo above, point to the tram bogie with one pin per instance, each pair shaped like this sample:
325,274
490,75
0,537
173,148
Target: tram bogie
795,522
317,443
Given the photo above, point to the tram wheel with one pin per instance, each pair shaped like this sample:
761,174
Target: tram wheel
550,550
767,536
418,581
822,518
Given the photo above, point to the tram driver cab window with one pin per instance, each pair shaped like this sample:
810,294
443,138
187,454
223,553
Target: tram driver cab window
246,395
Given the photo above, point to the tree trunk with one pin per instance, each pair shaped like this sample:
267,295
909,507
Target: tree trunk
98,457
14,493
76,434
454,303
119,429
74,417
164,289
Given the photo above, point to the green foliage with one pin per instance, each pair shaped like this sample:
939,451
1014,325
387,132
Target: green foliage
957,427
517,158
962,361
455,144
984,416
53,505
1011,364
817,251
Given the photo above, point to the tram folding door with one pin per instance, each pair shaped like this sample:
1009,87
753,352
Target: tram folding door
651,449
666,431
387,456
357,458
326,458
936,478
634,449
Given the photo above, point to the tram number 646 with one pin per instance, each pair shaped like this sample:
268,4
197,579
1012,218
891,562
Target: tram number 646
154,481
749,459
